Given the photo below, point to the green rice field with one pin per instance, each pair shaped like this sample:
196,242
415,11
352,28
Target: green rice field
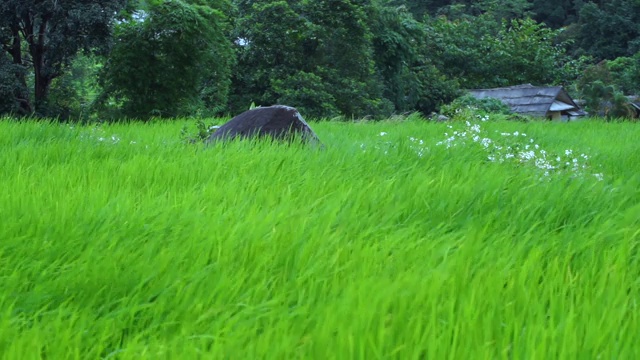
400,240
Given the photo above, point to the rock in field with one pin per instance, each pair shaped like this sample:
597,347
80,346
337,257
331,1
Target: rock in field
279,122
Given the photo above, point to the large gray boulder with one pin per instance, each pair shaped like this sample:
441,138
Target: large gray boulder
279,122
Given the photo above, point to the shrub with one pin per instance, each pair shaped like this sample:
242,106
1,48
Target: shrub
201,133
467,101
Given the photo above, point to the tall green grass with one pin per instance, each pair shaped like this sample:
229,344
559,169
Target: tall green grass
139,246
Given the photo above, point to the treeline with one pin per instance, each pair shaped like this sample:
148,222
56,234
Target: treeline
113,59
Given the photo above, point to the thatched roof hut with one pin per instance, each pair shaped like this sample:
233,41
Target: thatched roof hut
551,102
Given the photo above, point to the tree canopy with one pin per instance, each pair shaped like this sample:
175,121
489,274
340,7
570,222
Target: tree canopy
168,60
42,37
350,58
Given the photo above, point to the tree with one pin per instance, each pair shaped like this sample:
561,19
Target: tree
46,35
556,13
9,86
481,52
420,8
625,73
610,30
172,59
606,100
501,9
72,94
316,55
601,92
273,42
346,54
402,58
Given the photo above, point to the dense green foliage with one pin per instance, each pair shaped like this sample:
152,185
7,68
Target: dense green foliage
482,53
43,37
122,242
485,105
605,84
402,53
329,58
611,29
625,73
168,61
9,85
315,54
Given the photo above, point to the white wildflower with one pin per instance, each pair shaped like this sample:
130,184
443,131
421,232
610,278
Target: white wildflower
528,155
522,152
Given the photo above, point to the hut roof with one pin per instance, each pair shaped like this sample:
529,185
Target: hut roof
532,100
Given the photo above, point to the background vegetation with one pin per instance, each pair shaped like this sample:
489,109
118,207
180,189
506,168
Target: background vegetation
110,59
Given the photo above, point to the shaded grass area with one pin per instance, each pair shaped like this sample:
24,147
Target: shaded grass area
123,242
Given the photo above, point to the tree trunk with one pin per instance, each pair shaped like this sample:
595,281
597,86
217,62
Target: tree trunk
22,94
42,84
42,77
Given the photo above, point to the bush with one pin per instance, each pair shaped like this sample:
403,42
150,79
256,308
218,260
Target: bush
486,105
201,133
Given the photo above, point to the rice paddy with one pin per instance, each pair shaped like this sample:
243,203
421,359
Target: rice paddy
123,242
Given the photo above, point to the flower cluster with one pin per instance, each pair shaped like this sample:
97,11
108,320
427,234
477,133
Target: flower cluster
415,144
98,134
517,148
